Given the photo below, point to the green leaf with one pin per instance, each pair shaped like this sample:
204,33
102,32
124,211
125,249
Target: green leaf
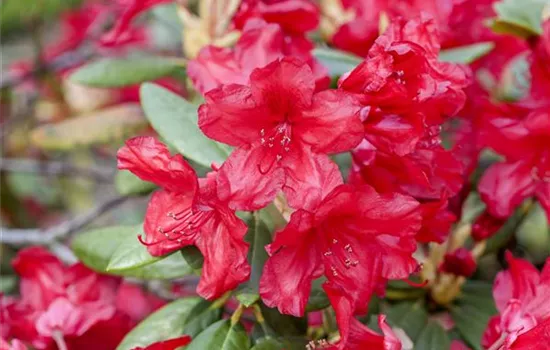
192,257
119,72
337,62
284,325
533,234
411,317
8,284
105,126
268,344
433,337
201,317
466,54
166,323
522,18
318,299
221,336
127,184
96,249
258,236
472,311
515,80
175,120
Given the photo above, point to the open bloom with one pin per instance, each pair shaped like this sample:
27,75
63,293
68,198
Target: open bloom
355,236
526,171
521,295
260,44
187,211
282,131
171,344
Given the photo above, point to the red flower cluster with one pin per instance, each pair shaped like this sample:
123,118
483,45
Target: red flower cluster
521,294
71,302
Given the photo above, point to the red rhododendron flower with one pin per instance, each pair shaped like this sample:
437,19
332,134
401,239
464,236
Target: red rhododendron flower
526,171
58,299
130,9
171,344
16,344
521,295
355,237
486,226
260,44
436,221
459,262
355,335
188,211
282,131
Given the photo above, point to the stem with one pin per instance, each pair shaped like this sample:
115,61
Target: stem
221,301
496,345
276,217
260,318
237,315
59,341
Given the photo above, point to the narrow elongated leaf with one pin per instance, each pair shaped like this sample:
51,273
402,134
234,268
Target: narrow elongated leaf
221,336
166,323
119,72
522,18
411,317
175,120
96,249
433,337
258,236
127,184
337,62
466,54
106,126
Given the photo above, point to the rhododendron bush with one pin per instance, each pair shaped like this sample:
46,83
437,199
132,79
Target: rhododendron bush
278,174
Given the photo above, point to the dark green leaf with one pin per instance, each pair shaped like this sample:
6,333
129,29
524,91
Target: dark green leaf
433,337
175,120
193,257
258,236
96,249
268,344
337,62
411,317
166,323
522,18
318,299
283,325
466,54
201,317
221,336
119,72
127,184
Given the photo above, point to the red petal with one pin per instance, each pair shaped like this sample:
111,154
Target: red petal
171,344
213,67
504,186
295,261
232,116
295,16
537,338
332,123
151,161
250,178
222,244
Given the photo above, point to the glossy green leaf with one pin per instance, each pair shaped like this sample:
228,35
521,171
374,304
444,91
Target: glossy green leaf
411,317
284,325
175,120
533,234
97,248
192,257
127,184
466,54
221,336
522,18
337,62
201,317
119,72
433,337
472,311
166,323
258,236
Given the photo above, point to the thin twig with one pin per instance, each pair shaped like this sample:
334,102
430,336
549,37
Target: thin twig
54,168
36,236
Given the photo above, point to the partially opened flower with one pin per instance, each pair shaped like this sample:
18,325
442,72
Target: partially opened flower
282,131
171,344
187,211
355,237
521,295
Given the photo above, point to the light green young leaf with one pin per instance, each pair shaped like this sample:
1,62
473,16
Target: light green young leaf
337,62
466,54
127,184
522,18
175,120
119,72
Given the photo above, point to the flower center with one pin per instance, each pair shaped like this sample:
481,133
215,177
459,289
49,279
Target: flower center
276,143
184,225
342,254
